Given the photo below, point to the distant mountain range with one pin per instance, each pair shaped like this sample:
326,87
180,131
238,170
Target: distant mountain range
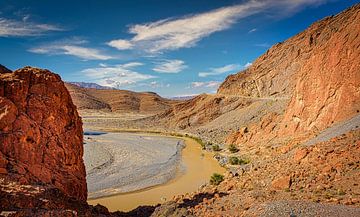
91,85
185,97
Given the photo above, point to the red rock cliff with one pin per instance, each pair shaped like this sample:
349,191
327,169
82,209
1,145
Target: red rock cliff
41,137
327,86
317,69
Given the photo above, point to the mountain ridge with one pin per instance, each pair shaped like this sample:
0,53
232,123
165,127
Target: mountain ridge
116,101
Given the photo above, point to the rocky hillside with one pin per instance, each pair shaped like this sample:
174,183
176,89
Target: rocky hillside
302,85
326,84
83,100
298,136
118,100
329,46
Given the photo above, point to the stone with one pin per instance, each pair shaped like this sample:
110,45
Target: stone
281,183
300,154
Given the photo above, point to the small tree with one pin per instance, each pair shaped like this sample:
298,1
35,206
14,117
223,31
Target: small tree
233,149
216,179
216,148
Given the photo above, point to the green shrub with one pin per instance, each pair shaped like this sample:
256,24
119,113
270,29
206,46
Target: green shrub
216,148
216,179
233,149
237,161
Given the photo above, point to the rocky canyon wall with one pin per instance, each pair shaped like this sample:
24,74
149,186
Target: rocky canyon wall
317,69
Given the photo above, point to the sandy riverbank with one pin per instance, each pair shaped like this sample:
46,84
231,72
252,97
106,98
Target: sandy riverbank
197,165
125,162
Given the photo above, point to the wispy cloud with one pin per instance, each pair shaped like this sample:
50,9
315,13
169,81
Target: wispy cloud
220,70
117,76
266,45
184,32
156,84
24,27
209,84
170,66
171,34
73,47
247,65
121,44
252,30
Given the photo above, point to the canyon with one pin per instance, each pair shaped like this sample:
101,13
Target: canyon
285,114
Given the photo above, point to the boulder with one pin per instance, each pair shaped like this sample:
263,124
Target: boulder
41,136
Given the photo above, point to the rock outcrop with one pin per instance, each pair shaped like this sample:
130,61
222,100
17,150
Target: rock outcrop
41,137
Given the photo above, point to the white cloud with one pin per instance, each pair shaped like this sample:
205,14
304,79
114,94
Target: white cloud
209,84
171,34
252,30
247,65
132,64
73,48
16,28
117,76
184,32
120,44
220,70
155,84
170,66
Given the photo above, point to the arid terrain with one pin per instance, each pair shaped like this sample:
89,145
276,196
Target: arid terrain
291,120
93,100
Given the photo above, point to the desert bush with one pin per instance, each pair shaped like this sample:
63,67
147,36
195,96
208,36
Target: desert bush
233,149
216,179
216,148
238,161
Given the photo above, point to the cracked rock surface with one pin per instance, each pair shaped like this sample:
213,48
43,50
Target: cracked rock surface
40,132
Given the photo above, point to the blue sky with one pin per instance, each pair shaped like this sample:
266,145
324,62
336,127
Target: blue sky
177,47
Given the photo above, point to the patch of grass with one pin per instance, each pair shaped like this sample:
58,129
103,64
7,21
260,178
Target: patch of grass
216,148
178,135
233,148
216,179
238,161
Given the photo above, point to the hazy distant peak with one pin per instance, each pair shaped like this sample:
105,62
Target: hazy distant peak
91,85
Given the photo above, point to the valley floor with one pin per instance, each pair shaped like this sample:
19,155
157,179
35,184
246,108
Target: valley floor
124,162
126,170
282,177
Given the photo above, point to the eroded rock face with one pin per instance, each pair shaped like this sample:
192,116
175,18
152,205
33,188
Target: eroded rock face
315,58
318,70
327,89
41,137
